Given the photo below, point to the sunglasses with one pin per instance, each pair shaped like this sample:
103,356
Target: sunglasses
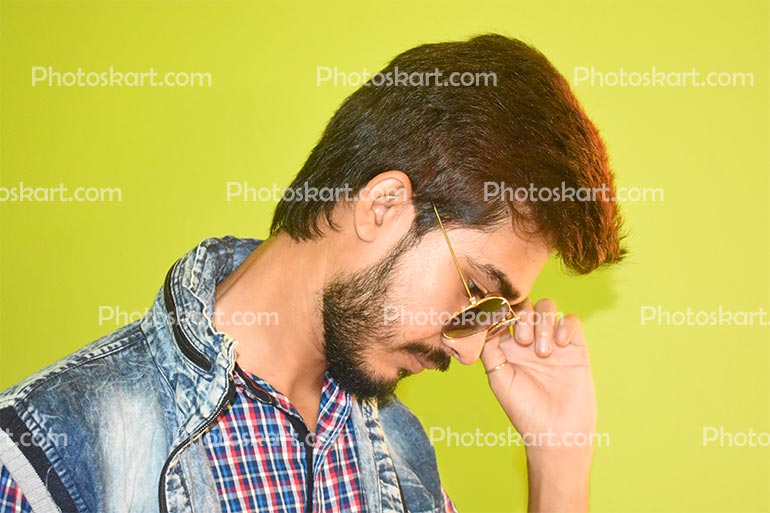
487,313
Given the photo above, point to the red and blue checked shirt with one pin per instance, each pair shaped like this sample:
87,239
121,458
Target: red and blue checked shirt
258,454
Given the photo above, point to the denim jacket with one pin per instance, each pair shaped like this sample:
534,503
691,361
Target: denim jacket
115,426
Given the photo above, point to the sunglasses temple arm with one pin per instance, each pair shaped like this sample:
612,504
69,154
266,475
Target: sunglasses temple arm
454,257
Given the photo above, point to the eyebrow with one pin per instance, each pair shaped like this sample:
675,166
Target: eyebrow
507,290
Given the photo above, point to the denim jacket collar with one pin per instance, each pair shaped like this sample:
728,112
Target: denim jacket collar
195,359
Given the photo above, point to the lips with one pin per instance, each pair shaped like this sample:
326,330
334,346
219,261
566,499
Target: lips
426,364
414,366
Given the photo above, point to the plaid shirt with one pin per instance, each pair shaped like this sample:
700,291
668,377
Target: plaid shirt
257,449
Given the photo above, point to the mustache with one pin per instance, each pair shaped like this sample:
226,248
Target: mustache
432,354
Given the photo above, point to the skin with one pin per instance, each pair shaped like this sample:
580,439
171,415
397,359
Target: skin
545,386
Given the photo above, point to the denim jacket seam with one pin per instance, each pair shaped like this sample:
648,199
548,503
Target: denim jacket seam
122,343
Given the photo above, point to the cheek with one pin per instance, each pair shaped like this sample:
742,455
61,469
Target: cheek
423,296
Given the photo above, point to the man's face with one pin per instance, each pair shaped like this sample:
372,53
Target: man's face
383,322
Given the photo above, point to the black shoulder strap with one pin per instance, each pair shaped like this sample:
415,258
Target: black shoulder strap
30,448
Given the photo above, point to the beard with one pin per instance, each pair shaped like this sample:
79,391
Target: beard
353,309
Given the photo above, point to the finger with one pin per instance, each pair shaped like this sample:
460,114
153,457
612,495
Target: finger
492,353
496,364
545,324
523,329
568,326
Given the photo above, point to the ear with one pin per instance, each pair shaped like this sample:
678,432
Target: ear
380,202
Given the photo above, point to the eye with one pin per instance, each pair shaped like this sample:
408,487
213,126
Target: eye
475,289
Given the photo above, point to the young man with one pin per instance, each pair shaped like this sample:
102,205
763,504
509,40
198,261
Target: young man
194,409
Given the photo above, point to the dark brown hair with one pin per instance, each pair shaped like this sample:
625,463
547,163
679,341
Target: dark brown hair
526,129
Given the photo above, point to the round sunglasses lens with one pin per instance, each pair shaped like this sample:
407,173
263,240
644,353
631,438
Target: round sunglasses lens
477,318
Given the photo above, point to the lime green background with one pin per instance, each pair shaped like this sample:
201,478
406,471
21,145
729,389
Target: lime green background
172,151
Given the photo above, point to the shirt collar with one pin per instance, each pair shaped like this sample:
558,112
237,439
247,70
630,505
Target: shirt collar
333,412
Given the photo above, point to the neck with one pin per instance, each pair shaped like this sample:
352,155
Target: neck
269,306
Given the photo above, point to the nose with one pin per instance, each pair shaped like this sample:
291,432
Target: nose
467,349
